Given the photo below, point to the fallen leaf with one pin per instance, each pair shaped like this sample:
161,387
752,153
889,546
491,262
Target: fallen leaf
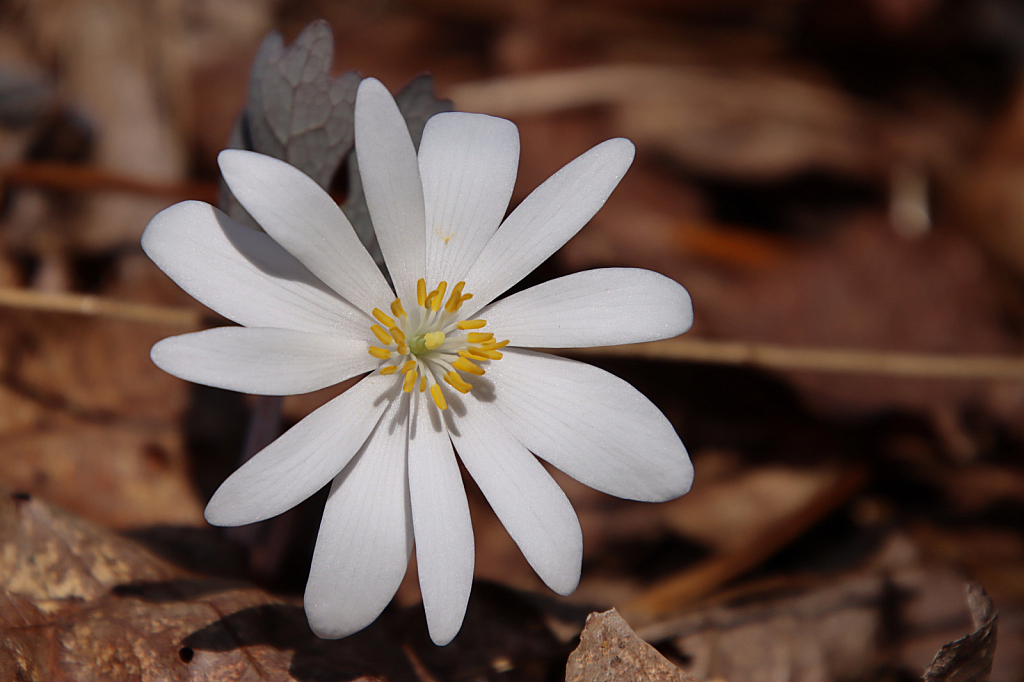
822,633
90,423
610,651
969,659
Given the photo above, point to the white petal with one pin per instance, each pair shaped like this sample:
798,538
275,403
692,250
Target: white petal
304,459
588,423
440,516
391,182
468,166
243,274
594,308
263,361
303,218
365,539
529,503
546,219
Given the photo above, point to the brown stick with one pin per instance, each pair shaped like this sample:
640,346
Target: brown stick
79,304
68,176
844,360
769,356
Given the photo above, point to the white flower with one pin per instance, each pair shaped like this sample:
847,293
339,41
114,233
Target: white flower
315,311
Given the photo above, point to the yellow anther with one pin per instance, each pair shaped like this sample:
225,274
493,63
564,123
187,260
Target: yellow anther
390,369
479,337
478,354
397,334
403,349
423,384
457,382
433,339
381,335
437,296
435,391
409,366
494,346
464,365
421,292
380,353
471,324
455,300
397,309
382,318
410,382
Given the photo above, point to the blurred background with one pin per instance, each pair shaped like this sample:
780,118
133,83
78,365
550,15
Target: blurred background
817,173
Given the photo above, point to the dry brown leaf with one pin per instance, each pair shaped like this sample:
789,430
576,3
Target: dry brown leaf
751,122
820,635
969,659
725,514
78,602
610,651
91,423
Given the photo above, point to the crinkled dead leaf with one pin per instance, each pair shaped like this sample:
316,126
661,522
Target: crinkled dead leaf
969,659
610,651
79,602
823,633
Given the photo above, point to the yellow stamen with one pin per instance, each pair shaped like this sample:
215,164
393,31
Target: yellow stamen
435,391
409,366
465,365
456,382
479,354
380,353
455,300
381,335
421,292
423,384
410,381
479,337
382,318
494,346
403,349
397,309
437,296
471,324
390,369
398,335
433,339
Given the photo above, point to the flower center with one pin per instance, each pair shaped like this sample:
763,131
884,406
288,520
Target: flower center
432,341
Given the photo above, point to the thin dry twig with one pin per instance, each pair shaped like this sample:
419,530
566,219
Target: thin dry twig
845,360
542,93
82,304
768,356
66,176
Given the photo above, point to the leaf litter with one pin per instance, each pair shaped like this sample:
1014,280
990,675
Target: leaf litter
793,243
